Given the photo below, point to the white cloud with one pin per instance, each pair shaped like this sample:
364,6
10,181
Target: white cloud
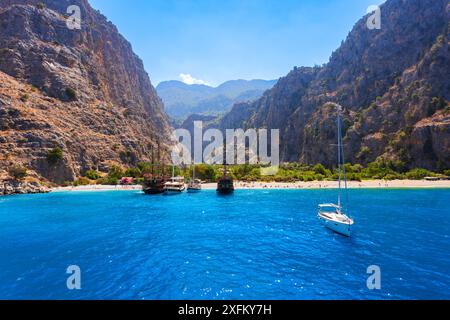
188,79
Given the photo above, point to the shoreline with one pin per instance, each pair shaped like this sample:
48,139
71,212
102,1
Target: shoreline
239,185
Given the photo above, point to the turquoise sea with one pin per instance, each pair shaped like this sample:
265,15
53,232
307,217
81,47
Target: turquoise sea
255,244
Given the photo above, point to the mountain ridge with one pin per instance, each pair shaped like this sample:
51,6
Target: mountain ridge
391,82
181,99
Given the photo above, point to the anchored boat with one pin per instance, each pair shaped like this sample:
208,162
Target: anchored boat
175,185
154,183
332,215
225,185
195,185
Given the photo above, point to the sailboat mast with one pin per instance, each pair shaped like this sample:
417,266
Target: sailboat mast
339,154
153,160
159,159
343,158
225,158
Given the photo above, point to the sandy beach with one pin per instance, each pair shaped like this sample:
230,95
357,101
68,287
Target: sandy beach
91,188
368,184
239,185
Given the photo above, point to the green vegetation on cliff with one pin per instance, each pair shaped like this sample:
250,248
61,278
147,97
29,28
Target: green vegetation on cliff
55,155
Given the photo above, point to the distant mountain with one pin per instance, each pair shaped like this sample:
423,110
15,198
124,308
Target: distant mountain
182,100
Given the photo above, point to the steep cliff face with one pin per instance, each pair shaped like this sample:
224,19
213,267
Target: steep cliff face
83,91
393,83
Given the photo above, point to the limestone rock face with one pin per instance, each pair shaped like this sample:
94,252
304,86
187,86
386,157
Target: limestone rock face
83,91
11,187
393,83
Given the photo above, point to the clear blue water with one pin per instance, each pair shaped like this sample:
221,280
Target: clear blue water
255,244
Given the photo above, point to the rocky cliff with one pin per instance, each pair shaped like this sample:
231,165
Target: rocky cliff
393,83
83,92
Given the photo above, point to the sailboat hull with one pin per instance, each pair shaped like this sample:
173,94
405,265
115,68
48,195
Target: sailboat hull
194,186
341,228
153,191
174,191
225,186
154,186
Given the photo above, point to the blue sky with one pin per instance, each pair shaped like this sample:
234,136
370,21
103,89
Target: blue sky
213,41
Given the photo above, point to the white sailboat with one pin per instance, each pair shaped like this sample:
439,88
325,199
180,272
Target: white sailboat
332,215
175,185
